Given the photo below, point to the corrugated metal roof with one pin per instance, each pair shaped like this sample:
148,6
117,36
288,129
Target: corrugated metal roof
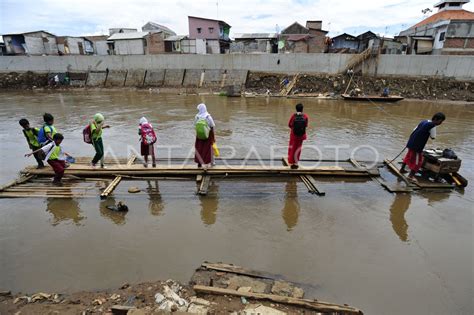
255,35
175,38
122,36
160,26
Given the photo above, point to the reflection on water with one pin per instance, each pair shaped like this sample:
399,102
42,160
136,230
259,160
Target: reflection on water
114,216
399,207
210,204
64,210
155,206
436,196
291,207
352,241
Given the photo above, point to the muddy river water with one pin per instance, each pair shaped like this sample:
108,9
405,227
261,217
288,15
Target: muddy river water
383,253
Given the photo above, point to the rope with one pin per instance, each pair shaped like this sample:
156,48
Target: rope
398,155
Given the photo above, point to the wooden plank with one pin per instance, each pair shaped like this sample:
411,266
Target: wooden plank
310,304
308,180
109,189
17,182
217,170
204,187
318,190
239,271
395,170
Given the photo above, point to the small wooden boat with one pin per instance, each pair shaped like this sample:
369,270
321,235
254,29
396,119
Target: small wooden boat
373,98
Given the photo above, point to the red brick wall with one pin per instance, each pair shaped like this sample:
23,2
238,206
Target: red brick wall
470,43
155,44
454,43
316,44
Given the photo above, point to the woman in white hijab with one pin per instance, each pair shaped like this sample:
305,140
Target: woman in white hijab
204,125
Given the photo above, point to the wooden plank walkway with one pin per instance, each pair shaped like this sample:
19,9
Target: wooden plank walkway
191,170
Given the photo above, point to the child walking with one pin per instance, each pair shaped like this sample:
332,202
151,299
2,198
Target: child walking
31,135
416,143
55,157
97,125
297,124
47,132
147,141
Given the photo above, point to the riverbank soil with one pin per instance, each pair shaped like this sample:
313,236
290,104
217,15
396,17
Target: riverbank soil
426,88
264,83
167,296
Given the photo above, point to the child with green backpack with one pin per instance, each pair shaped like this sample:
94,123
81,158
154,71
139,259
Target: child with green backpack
204,125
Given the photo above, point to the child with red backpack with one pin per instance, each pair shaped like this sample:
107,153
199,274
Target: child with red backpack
147,140
298,124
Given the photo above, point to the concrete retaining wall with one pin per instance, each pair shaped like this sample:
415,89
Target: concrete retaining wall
135,78
459,67
155,77
116,78
174,77
96,79
192,77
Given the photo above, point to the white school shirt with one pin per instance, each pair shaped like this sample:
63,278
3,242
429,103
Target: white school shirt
48,149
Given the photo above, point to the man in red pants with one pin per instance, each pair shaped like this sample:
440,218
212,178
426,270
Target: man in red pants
298,124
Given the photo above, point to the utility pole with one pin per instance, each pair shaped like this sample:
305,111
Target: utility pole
217,8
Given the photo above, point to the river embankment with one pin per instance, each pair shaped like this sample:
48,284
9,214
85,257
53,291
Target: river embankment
426,88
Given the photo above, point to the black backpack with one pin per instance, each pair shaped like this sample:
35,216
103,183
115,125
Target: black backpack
299,125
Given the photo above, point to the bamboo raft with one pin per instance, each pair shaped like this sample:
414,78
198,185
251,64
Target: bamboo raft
82,180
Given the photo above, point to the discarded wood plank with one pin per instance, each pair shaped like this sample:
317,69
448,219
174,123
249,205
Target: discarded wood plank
204,187
17,182
310,304
109,189
198,178
239,271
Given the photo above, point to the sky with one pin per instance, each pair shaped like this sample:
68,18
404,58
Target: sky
95,17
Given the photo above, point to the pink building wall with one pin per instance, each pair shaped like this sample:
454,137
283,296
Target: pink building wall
204,24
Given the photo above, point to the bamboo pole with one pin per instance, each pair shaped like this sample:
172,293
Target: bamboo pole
116,180
17,182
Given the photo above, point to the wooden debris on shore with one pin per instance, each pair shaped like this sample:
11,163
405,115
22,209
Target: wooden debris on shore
226,279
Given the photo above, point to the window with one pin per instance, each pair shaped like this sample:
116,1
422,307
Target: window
211,30
199,30
441,36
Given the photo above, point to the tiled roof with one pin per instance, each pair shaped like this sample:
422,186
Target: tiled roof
447,15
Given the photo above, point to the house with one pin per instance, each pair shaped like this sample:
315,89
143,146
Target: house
367,40
153,27
69,45
297,38
450,31
344,43
31,43
255,43
180,44
212,36
390,46
99,44
130,43
136,43
3,50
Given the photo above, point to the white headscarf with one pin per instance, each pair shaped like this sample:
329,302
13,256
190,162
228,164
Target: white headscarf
203,114
143,120
202,111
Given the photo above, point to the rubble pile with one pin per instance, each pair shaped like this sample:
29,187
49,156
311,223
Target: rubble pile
415,88
27,80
